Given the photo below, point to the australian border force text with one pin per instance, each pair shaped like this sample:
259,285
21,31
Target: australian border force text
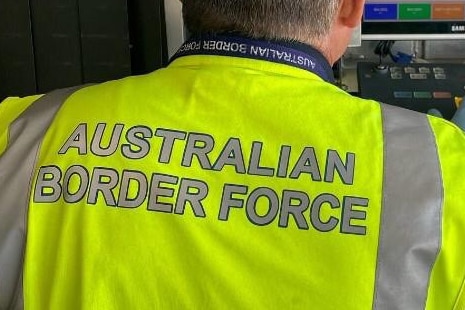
246,49
160,192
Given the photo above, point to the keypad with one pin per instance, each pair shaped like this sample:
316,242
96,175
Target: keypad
419,73
415,86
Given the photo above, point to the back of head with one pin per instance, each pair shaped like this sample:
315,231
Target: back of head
301,20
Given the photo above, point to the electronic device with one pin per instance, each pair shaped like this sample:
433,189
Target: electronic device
417,86
413,20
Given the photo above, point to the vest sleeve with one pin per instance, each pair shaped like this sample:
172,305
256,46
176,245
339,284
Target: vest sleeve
11,219
23,124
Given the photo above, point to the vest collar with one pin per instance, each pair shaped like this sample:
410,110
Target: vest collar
290,53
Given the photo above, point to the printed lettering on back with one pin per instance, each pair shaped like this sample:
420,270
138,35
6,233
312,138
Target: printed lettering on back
161,192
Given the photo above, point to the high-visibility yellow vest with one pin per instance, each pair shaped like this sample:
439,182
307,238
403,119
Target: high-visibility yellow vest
228,183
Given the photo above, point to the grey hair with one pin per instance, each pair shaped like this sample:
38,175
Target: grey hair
270,19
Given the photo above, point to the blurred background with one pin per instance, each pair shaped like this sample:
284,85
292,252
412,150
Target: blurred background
52,44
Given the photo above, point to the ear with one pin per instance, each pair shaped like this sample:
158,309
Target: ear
350,12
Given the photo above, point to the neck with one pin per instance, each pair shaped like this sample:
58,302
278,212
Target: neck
324,46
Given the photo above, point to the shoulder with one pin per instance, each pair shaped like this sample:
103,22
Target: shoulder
10,109
450,141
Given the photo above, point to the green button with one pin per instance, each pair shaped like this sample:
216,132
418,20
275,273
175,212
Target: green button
414,11
422,95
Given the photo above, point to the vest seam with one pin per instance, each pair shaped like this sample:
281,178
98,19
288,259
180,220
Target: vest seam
380,232
460,301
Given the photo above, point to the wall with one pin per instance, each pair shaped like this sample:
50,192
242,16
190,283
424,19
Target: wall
45,45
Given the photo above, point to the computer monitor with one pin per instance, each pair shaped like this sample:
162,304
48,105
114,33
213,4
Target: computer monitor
413,20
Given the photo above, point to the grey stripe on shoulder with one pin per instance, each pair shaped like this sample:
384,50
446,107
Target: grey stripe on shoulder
410,232
16,171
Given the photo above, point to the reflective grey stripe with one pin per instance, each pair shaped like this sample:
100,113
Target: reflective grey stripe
16,170
410,233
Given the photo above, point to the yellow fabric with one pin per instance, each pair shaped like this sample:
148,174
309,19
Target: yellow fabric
449,270
10,109
96,255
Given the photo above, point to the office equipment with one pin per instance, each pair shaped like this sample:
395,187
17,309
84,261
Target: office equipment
416,86
413,20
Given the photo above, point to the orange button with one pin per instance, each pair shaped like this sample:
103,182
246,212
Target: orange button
455,11
442,95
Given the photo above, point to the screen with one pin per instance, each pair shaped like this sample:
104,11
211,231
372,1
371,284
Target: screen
413,20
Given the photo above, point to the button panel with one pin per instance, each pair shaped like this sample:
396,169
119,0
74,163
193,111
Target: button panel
420,73
415,86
